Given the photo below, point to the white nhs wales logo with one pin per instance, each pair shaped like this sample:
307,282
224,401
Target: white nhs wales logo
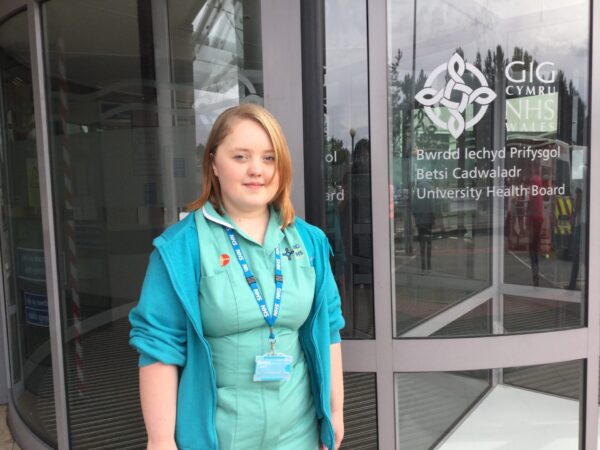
455,69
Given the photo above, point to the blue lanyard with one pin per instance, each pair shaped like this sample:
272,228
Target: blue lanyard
269,318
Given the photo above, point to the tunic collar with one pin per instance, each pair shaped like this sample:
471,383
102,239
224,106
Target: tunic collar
209,212
273,235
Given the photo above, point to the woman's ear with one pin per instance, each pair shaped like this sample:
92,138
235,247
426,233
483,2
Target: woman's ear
214,166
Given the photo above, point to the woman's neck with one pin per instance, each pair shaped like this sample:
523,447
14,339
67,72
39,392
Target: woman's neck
254,223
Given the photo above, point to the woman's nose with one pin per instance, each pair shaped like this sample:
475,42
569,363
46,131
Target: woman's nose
255,167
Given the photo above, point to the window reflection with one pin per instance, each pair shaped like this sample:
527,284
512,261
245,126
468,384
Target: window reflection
489,148
347,163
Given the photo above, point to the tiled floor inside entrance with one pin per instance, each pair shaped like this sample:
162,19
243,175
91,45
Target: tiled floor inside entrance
6,440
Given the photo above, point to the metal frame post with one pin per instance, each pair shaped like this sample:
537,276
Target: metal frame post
49,235
312,36
589,410
382,266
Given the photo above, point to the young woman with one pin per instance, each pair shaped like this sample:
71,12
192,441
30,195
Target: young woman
239,316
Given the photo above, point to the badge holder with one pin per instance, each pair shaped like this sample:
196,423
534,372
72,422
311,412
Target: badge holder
273,366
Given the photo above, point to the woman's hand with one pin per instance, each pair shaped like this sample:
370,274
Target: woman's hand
337,420
169,445
337,395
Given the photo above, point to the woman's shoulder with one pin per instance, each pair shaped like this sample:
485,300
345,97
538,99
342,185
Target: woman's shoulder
304,227
183,230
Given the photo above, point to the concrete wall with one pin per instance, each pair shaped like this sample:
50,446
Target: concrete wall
282,79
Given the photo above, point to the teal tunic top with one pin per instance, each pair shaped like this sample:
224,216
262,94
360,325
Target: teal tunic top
256,415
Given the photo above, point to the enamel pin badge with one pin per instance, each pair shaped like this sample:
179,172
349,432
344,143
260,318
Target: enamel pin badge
224,259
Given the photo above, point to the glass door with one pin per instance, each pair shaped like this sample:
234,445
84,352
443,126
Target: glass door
488,149
129,112
488,109
474,167
21,242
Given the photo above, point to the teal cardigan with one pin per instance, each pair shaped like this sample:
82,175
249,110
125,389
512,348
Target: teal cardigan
166,327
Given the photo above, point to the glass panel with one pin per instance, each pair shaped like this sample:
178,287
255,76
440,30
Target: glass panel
522,314
489,150
561,379
216,61
428,405
21,236
348,161
458,410
129,115
360,411
476,322
442,242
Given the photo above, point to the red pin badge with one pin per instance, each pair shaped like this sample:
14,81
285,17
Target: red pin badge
224,259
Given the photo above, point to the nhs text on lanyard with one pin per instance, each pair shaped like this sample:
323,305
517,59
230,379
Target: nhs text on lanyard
271,366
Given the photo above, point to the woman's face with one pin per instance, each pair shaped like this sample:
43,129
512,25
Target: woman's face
245,165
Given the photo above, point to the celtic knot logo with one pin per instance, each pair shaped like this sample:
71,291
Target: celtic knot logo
432,99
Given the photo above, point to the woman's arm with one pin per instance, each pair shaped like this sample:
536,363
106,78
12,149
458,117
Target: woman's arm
337,393
158,394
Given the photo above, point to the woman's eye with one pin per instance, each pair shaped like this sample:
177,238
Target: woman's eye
239,157
270,158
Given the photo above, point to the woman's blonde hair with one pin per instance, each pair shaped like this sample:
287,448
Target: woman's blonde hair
211,191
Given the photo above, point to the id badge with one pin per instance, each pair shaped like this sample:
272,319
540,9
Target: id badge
273,368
